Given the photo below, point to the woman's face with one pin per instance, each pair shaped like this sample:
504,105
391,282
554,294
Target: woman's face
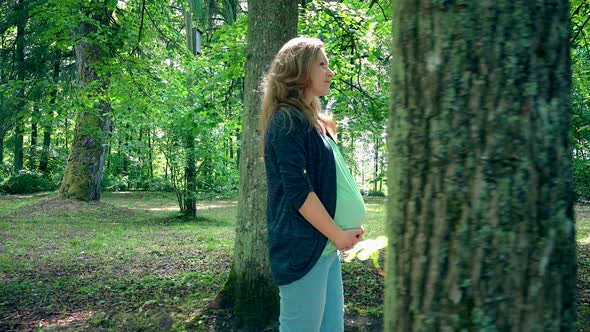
320,77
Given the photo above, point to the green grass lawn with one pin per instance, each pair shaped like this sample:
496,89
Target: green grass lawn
583,239
126,263
129,264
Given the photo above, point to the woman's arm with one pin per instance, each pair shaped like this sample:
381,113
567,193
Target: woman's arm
315,213
286,137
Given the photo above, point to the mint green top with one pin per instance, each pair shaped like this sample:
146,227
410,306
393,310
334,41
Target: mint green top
350,207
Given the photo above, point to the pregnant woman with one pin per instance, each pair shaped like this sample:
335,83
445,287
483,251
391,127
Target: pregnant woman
314,205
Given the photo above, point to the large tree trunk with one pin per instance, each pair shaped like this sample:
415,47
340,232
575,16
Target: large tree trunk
86,162
250,285
480,219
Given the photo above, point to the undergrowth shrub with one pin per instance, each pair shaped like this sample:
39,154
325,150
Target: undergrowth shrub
581,170
27,182
160,184
110,182
376,193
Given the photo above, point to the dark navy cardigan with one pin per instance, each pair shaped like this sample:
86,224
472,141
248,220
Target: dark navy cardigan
298,160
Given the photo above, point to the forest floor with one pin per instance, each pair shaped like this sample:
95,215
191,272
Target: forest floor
583,251
128,263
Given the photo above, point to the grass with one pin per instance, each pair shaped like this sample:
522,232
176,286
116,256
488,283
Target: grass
583,239
129,264
126,263
583,224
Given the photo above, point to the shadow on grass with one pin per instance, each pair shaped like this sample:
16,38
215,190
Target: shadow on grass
70,265
363,295
114,304
69,210
142,280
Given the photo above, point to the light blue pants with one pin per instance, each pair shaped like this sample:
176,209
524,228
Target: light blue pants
316,301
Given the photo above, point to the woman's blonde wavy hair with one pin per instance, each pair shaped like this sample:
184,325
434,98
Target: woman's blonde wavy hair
285,83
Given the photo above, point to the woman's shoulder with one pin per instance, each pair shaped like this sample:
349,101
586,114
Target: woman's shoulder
289,115
289,110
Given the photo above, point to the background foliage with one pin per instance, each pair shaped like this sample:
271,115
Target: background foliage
580,54
159,91
154,103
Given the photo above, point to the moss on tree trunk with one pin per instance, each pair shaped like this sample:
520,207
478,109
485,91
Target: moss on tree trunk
480,207
86,161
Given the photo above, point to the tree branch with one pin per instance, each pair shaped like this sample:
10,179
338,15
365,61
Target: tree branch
166,38
140,27
581,28
578,9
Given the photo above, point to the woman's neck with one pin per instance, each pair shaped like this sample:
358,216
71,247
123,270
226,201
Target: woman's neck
307,99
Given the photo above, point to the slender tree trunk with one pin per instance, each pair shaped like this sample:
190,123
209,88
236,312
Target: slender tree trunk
480,211
66,131
250,286
44,159
238,147
166,171
4,110
190,196
119,151
21,22
126,152
18,147
33,144
108,156
376,162
139,173
150,156
2,134
86,162
383,170
230,10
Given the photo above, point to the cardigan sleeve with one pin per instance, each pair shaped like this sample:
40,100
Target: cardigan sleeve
287,137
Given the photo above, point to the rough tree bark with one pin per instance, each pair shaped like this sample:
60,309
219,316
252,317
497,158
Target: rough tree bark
86,162
250,287
480,222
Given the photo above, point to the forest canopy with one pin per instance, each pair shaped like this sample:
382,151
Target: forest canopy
158,90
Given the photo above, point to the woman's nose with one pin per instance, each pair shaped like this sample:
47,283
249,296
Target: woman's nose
331,72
